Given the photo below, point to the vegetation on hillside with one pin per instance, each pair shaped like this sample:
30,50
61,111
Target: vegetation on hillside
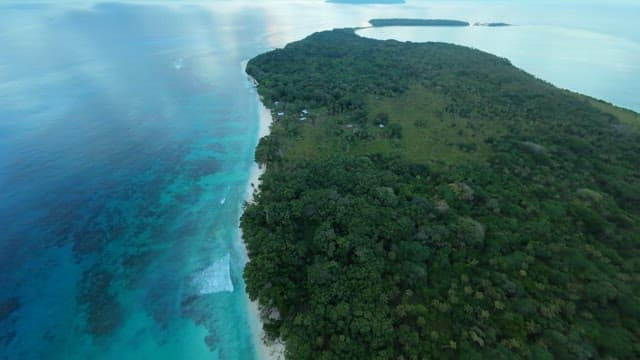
433,201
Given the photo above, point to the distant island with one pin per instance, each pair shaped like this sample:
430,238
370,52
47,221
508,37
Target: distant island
416,22
492,24
432,201
366,1
429,22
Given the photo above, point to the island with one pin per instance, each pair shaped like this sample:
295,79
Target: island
432,201
366,1
416,22
492,24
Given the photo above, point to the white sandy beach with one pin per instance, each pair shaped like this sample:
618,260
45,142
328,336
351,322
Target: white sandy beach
273,351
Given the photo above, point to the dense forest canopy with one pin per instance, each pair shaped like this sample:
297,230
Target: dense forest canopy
433,201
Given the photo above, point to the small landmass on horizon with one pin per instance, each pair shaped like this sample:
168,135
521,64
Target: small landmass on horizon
430,22
416,22
491,24
366,1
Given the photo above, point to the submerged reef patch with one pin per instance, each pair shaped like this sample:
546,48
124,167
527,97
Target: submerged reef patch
103,312
8,306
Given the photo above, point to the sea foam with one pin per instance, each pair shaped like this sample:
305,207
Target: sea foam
215,278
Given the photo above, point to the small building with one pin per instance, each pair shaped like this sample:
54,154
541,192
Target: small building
304,112
303,118
280,114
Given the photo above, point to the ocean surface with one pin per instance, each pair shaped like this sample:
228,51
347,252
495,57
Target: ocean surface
127,133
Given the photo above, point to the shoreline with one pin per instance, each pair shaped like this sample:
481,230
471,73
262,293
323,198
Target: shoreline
275,350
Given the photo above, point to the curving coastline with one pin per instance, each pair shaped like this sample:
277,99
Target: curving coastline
272,350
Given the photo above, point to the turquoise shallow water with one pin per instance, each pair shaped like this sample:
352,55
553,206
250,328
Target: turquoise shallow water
126,138
127,135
